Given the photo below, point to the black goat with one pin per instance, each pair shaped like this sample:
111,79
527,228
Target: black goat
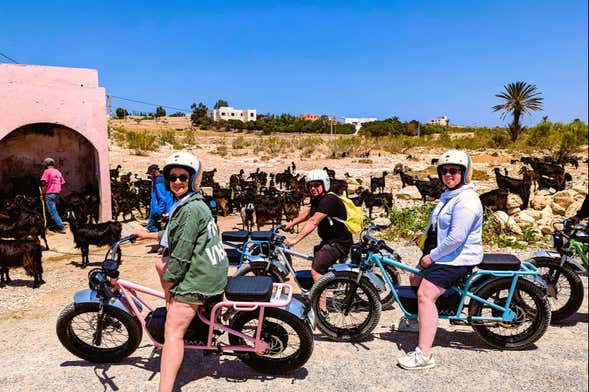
24,225
371,200
378,182
520,187
429,188
496,198
21,253
99,234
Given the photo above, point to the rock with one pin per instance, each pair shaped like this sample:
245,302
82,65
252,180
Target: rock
382,221
523,220
507,222
573,208
513,201
537,215
557,208
582,189
408,193
564,198
538,202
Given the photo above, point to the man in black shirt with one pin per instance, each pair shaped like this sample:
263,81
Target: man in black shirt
335,237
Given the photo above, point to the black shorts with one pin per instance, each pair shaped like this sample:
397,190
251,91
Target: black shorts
327,254
445,276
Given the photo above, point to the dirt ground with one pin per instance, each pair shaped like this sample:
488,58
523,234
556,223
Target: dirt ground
32,358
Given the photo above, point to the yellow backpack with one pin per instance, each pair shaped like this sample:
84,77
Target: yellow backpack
353,215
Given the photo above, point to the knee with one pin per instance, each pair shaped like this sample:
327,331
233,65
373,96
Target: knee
424,295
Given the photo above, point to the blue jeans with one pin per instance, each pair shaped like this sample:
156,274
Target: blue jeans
153,224
50,203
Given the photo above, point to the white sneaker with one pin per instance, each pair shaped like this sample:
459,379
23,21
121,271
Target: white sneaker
415,360
404,325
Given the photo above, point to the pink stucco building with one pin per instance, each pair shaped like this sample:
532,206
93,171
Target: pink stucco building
53,112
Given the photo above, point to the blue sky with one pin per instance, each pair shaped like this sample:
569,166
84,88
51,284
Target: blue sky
412,59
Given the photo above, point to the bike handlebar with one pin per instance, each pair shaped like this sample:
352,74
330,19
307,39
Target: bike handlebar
377,243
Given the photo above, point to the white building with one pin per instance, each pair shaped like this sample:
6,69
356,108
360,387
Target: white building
229,113
358,121
442,120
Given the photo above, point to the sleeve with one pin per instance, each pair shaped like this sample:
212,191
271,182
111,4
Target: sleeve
188,230
45,176
159,191
463,219
583,212
326,205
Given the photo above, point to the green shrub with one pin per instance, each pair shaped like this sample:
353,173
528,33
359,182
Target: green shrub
189,138
240,143
168,137
141,141
408,222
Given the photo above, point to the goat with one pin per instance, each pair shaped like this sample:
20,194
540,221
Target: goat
406,179
268,210
208,177
99,234
378,182
520,187
114,173
21,253
330,172
496,198
372,200
434,161
339,187
429,188
23,225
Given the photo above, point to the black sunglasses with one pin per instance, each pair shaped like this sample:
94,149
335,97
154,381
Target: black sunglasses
452,171
314,184
181,177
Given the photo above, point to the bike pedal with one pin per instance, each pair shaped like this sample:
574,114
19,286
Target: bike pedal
458,322
155,349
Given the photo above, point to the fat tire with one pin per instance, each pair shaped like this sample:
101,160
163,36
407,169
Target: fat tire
575,300
259,269
267,364
76,346
512,342
373,305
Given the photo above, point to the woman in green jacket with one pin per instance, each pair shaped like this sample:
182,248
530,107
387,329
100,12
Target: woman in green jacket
194,266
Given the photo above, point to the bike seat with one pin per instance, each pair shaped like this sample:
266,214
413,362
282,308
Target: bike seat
500,262
261,235
249,289
235,236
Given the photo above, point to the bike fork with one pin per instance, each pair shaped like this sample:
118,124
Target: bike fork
99,322
349,299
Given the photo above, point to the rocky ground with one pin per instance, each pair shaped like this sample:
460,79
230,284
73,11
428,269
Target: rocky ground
33,359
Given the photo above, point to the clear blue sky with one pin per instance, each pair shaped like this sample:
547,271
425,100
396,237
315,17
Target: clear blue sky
412,59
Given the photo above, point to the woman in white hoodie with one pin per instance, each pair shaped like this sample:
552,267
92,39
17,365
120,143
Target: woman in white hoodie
456,225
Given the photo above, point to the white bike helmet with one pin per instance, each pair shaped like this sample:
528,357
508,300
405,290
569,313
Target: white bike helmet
319,175
458,158
187,161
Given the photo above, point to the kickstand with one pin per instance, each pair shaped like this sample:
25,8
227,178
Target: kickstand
155,349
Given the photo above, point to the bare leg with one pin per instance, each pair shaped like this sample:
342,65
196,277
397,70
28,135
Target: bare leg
427,314
161,266
178,319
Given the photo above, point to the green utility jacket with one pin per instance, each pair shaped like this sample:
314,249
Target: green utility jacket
198,263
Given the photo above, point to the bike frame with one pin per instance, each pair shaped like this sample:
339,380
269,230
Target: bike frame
508,315
281,296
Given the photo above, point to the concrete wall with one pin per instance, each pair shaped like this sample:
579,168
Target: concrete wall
57,112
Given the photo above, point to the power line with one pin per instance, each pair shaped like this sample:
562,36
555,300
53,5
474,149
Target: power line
150,104
8,57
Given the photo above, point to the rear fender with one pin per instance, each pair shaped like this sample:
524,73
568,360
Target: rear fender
300,310
483,280
90,296
578,268
372,277
263,260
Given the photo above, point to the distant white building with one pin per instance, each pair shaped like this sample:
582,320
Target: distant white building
442,120
229,113
357,122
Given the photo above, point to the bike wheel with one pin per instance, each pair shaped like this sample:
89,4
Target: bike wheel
76,327
289,337
261,269
386,297
341,292
566,294
529,304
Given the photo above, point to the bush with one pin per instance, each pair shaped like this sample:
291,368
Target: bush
141,141
408,222
240,143
168,137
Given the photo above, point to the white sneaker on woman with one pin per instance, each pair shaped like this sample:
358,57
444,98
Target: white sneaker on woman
415,360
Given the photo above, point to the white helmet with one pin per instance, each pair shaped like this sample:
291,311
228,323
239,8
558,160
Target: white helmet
187,161
458,158
319,175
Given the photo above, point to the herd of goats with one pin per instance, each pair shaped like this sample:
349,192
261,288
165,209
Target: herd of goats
260,198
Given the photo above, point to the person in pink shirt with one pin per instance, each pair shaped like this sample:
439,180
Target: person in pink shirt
51,182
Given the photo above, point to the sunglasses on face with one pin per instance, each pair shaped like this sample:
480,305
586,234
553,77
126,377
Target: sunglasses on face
314,185
452,171
181,177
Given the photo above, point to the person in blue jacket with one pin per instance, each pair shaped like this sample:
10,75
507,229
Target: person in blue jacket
161,198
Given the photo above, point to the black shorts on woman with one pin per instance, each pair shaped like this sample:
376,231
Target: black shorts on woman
445,276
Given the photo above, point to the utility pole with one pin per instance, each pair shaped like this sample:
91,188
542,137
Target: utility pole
109,105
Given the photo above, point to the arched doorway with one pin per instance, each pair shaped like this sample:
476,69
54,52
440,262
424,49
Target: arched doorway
24,149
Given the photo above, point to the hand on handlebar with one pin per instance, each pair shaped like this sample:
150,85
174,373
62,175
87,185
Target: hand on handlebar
143,234
290,242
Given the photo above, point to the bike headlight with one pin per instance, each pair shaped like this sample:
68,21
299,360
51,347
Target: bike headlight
557,241
110,268
356,254
95,277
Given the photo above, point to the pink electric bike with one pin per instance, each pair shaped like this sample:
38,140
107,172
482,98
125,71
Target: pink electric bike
257,320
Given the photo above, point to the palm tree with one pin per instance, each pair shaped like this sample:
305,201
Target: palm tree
520,97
